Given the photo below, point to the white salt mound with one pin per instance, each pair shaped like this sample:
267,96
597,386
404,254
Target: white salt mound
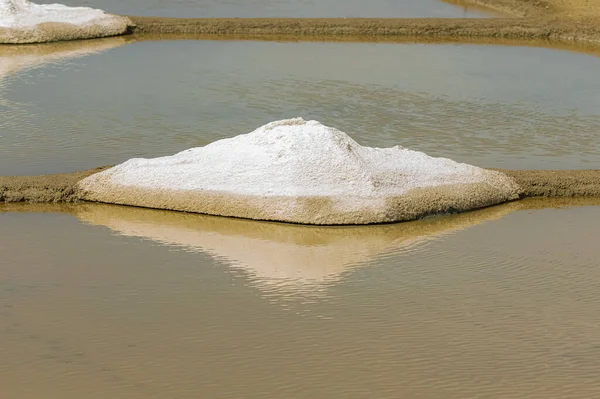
22,21
302,172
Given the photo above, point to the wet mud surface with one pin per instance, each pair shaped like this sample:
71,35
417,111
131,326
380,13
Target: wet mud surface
557,183
45,188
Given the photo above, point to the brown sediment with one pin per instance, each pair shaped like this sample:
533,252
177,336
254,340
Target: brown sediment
554,20
506,28
557,183
519,8
45,188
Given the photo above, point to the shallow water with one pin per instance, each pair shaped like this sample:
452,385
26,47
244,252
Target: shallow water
99,301
493,106
282,8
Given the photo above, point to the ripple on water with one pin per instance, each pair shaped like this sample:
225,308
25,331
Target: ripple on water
151,304
475,104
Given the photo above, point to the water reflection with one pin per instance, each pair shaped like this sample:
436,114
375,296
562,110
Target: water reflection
505,309
278,256
489,106
285,259
16,59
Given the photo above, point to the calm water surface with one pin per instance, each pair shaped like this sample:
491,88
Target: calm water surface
281,8
493,106
103,301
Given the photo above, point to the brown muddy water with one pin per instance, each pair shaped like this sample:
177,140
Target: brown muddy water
105,301
494,106
282,8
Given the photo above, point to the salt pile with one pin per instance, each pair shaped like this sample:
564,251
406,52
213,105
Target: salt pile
301,172
22,21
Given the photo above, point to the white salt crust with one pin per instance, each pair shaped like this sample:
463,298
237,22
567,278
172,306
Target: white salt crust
22,21
294,159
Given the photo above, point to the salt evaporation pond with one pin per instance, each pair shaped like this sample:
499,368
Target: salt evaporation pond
284,8
490,106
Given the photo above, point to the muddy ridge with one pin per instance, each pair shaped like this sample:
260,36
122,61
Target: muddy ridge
534,183
45,188
553,20
557,183
505,28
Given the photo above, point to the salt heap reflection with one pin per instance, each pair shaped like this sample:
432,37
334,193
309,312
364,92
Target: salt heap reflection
281,258
14,59
19,58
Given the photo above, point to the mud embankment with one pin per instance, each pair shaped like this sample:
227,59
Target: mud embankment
501,28
557,183
45,188
534,183
554,20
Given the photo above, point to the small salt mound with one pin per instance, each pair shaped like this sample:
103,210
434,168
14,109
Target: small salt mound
24,22
302,172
